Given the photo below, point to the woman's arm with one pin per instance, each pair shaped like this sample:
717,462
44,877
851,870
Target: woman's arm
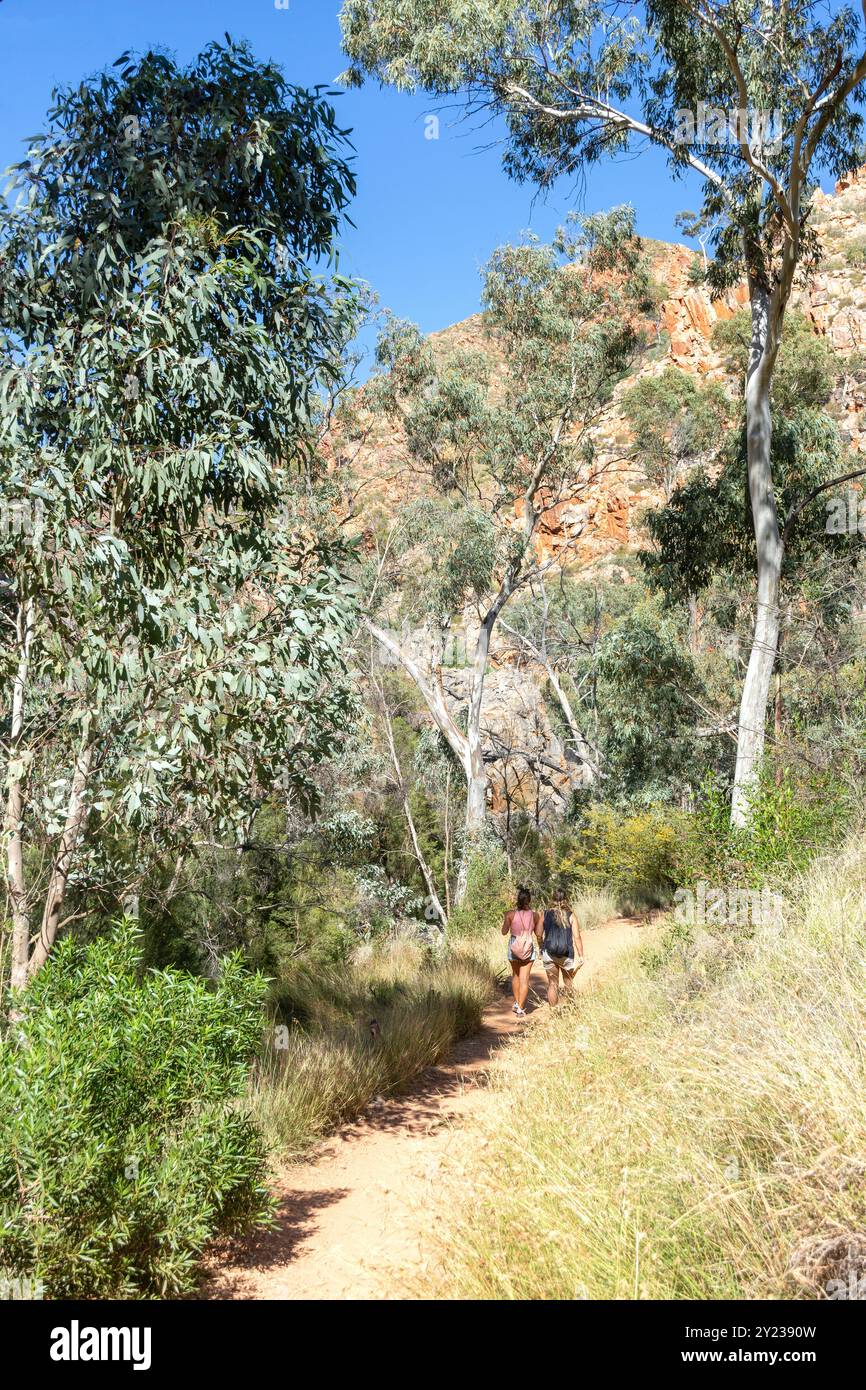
506,923
539,926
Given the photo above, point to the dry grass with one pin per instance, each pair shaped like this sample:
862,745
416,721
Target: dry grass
336,1063
594,907
696,1132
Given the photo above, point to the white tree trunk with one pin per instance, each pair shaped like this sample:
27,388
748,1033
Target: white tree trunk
427,874
467,747
766,334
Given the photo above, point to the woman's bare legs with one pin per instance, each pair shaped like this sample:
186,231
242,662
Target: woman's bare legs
525,972
515,982
553,983
520,973
552,972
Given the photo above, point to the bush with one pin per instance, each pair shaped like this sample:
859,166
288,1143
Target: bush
489,894
635,856
788,826
123,1145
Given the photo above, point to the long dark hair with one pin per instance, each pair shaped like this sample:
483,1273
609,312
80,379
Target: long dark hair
524,898
561,907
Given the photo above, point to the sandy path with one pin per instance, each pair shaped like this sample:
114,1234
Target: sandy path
359,1209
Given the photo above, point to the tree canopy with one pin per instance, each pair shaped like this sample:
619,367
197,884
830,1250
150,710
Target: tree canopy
173,623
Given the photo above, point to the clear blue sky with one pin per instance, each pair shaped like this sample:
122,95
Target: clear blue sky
428,212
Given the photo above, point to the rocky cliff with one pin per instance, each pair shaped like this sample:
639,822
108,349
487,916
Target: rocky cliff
528,762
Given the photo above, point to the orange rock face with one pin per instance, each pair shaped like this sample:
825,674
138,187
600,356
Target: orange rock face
603,519
602,522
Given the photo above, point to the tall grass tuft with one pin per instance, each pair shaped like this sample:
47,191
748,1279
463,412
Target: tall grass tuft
594,907
365,1030
696,1129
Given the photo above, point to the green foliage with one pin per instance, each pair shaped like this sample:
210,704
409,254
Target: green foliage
535,64
489,893
559,326
704,531
645,678
123,1148
635,855
789,825
807,367
676,421
163,337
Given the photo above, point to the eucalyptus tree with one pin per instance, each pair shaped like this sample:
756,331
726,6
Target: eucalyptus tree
500,437
700,546
677,422
173,617
756,98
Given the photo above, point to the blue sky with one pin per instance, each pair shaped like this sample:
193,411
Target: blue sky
428,212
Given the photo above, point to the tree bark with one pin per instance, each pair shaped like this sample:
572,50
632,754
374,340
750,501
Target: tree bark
76,812
767,315
15,802
466,747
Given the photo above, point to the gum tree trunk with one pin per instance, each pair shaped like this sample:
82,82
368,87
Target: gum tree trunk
767,314
76,812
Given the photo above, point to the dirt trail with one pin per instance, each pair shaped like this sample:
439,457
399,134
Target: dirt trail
358,1212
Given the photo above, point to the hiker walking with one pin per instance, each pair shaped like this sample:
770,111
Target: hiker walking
561,932
522,926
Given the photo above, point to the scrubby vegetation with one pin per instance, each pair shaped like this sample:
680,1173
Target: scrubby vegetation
370,1028
305,743
125,1145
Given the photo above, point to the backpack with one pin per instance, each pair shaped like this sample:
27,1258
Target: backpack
558,940
521,942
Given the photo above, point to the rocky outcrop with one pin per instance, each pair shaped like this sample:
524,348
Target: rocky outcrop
604,520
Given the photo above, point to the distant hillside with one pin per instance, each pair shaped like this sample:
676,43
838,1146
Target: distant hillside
603,523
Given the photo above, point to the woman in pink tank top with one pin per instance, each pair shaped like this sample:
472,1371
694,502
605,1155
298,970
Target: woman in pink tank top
522,926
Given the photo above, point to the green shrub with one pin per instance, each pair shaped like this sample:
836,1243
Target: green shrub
633,855
788,825
123,1144
489,894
